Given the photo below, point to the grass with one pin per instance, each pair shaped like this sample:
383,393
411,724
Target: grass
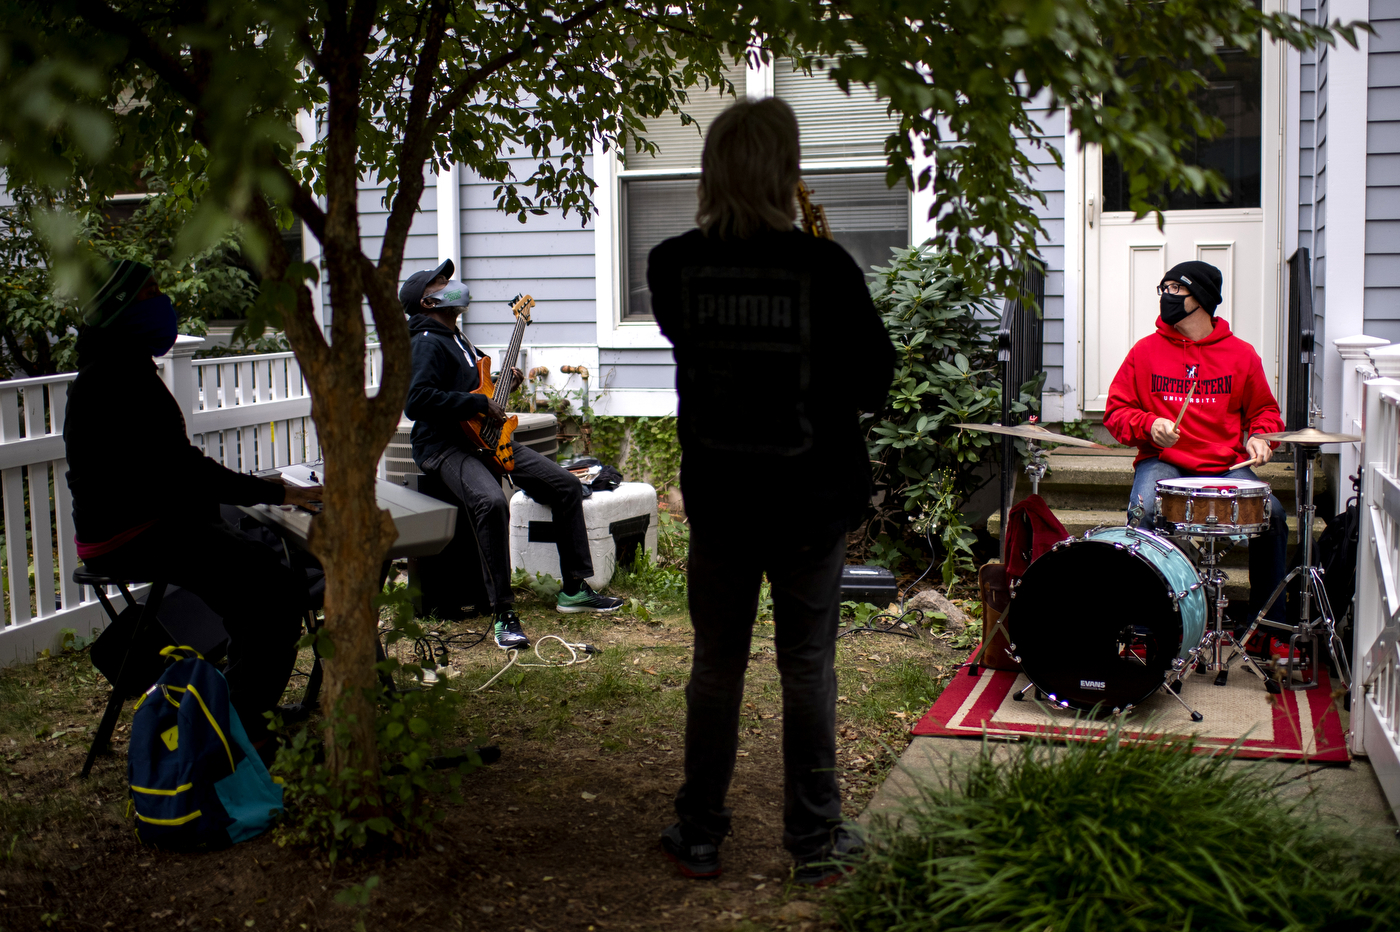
1109,836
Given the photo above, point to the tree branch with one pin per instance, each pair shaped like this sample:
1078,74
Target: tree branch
166,66
413,151
452,100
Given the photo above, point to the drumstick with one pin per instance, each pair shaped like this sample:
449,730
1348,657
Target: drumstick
1248,462
1184,405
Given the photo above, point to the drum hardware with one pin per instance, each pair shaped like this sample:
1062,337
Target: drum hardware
1311,589
1214,641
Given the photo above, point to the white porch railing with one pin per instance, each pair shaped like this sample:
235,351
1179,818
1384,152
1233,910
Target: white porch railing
1375,705
247,412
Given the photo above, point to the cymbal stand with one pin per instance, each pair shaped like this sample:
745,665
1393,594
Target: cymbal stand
1214,642
1311,590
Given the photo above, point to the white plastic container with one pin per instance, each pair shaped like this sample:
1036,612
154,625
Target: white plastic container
617,522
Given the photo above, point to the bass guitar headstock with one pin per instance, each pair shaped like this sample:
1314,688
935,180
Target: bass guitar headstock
520,306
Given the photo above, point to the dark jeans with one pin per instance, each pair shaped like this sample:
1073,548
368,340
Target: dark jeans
261,601
726,570
543,480
1268,552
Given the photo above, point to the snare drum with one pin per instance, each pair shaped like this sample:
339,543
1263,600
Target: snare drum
1205,506
1100,621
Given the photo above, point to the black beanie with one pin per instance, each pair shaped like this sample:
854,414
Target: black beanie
1201,279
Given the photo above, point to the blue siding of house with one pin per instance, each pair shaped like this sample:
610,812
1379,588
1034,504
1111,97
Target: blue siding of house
1316,237
1382,309
550,257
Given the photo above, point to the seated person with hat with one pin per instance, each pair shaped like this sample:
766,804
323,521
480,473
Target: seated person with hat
146,500
1230,406
442,394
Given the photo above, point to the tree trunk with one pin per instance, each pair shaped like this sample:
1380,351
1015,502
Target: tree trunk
350,538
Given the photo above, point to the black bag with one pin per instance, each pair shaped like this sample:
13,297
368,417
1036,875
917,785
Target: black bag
183,619
1336,556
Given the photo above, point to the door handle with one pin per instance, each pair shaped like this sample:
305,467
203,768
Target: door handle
1089,210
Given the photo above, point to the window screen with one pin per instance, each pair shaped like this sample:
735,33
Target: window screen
866,217
652,210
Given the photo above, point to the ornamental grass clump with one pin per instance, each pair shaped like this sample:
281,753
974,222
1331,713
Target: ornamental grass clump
1117,837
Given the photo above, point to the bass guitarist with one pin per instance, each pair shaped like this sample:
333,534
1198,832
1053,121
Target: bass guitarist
445,391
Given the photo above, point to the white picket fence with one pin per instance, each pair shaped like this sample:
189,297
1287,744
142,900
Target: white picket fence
247,412
1375,704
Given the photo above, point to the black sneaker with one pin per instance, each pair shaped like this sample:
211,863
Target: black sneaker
586,600
832,863
509,635
696,858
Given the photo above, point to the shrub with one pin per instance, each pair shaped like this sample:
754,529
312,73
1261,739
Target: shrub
1116,836
946,373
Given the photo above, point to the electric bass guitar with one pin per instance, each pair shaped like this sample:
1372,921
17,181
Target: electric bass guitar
495,439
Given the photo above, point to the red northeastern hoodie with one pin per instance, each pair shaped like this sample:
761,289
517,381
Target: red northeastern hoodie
1232,399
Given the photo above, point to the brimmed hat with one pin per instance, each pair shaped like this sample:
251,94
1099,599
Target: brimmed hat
1202,279
117,293
411,293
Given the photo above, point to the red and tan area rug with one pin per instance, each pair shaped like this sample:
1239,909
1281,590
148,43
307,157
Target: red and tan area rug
1291,726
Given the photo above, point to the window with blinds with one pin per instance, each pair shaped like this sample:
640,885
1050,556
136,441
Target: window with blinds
680,144
833,125
866,217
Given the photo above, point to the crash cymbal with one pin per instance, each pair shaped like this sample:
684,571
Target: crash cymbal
1032,432
1309,437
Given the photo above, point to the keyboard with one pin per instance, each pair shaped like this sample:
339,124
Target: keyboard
425,525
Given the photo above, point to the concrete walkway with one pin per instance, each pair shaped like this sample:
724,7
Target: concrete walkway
1346,795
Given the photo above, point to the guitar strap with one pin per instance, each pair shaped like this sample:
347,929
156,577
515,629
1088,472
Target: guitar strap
470,351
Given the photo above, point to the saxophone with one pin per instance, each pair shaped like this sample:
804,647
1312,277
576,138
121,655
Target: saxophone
813,215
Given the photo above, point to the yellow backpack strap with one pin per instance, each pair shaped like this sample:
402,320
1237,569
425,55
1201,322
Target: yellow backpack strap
171,651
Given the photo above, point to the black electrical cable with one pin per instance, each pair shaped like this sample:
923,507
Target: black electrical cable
896,623
434,647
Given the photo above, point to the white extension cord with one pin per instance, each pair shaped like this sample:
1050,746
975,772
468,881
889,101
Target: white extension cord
586,650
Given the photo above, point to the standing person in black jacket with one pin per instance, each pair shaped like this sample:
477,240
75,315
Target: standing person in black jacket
778,349
146,500
441,395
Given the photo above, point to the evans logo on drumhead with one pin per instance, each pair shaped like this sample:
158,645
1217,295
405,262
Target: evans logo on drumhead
1100,685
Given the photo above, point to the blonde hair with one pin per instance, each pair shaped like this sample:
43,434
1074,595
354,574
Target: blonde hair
749,170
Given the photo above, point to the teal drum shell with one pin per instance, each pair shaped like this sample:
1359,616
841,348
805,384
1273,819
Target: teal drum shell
1178,574
1099,621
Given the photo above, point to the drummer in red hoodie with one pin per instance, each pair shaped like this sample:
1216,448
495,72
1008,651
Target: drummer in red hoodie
1231,406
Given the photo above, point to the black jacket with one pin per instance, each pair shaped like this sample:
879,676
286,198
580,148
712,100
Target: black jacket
129,460
440,394
778,349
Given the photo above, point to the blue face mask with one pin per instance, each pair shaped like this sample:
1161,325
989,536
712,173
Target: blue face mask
151,323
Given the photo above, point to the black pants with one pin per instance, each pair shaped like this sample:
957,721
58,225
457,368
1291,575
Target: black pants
726,570
543,480
262,602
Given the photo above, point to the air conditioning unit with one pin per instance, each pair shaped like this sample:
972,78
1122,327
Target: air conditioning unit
539,432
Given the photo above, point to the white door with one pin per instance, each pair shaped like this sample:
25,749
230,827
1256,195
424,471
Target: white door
1125,259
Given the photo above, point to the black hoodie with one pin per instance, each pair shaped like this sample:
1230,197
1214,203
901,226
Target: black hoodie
441,395
129,460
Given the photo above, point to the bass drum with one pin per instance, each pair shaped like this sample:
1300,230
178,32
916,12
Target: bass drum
1098,621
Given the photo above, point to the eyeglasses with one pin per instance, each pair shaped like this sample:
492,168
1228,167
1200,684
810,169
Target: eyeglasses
1174,288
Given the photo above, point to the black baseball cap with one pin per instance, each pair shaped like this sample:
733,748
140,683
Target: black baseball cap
118,292
411,292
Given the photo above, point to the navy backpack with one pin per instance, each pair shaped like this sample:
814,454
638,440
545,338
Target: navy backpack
196,781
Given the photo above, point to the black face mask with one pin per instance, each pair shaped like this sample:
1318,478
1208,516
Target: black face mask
1174,309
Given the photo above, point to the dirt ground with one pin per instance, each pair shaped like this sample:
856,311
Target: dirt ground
560,834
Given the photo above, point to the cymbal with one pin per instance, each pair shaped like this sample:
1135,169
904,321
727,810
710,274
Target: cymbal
1032,432
1309,437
